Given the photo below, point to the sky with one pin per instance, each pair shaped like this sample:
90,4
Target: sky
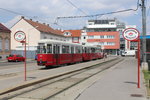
46,11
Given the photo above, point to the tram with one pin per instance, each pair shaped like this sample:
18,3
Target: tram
54,52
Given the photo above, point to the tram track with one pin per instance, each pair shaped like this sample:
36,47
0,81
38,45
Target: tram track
56,85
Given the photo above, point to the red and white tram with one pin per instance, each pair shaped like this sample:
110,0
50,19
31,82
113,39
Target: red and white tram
54,52
91,52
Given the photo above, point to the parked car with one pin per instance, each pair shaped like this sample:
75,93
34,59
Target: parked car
129,53
15,57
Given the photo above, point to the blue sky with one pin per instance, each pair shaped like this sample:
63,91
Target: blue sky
46,11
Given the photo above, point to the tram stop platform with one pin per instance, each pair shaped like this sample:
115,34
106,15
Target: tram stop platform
120,83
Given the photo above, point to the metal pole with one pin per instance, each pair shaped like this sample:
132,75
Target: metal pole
144,62
138,85
25,78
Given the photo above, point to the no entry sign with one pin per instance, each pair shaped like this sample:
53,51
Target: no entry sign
131,34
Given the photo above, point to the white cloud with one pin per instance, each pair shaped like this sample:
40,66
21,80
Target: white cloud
48,10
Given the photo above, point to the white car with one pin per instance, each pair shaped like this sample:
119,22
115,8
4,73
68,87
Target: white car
129,53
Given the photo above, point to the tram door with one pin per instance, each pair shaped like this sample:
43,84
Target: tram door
72,54
56,51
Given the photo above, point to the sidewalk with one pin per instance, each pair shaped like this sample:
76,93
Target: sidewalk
118,84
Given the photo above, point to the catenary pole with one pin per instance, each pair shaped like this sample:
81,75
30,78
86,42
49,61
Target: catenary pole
144,61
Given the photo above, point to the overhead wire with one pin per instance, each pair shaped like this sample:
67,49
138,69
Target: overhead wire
76,7
120,11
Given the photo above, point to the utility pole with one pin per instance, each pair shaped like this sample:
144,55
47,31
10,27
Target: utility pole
144,62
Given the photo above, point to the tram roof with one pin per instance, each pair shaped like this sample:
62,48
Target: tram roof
91,46
57,42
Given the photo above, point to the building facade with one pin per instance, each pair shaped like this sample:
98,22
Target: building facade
103,33
34,31
74,36
4,41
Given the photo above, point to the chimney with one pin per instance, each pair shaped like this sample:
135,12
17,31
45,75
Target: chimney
22,17
44,23
31,19
37,21
47,24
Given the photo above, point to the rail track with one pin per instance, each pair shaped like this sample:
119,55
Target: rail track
49,88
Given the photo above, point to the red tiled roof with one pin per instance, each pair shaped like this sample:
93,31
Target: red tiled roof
44,28
74,33
4,29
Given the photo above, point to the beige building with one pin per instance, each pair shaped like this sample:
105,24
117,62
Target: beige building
34,32
4,41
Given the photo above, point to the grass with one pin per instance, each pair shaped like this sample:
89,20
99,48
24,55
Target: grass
147,81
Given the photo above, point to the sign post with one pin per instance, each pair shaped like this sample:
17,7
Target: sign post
132,34
21,37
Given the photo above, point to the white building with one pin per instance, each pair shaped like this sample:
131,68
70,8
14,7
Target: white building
34,32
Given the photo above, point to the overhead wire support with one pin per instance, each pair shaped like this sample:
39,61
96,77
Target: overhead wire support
120,11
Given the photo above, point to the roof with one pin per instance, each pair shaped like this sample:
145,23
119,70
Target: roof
4,28
44,28
74,33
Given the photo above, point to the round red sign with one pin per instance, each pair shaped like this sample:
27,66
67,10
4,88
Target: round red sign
131,34
19,36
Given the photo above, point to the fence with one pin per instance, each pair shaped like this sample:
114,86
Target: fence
29,54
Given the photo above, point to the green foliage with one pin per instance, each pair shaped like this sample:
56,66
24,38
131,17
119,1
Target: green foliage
146,75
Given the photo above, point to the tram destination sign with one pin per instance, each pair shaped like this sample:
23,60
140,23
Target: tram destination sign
131,34
19,36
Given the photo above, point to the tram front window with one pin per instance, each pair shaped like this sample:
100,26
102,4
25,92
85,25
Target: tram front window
41,49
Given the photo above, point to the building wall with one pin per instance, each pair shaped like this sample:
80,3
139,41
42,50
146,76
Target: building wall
32,34
110,40
53,37
5,44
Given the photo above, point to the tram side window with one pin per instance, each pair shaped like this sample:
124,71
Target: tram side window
93,50
65,49
72,50
41,49
78,50
49,48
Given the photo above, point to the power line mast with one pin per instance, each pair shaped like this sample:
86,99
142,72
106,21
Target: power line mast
144,60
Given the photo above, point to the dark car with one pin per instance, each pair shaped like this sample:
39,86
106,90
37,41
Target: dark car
15,57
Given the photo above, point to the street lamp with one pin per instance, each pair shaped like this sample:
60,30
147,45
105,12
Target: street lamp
29,34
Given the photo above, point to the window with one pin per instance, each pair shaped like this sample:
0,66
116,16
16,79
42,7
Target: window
67,34
110,43
7,44
93,50
0,44
75,39
101,43
110,37
65,49
49,48
91,37
41,48
102,37
78,49
112,23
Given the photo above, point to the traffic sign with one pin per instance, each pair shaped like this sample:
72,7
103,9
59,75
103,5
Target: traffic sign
131,34
19,36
